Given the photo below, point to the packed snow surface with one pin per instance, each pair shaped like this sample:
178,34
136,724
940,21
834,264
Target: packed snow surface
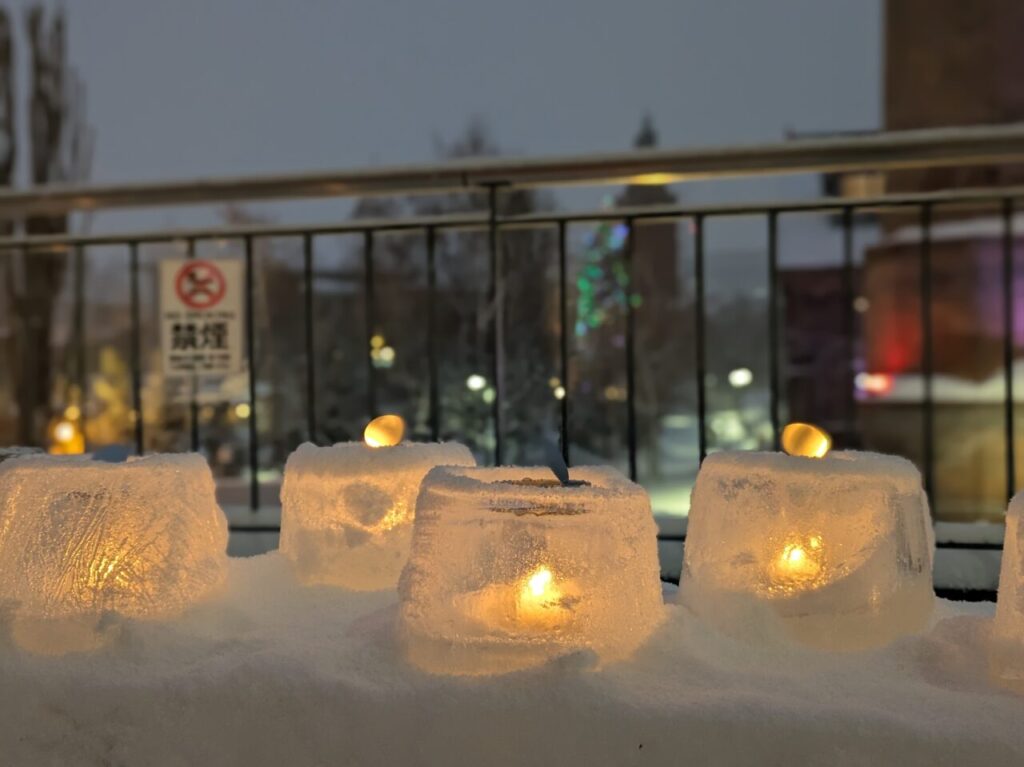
835,551
273,673
347,509
510,568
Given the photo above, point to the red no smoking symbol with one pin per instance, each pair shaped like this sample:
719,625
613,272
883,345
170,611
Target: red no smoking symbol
200,285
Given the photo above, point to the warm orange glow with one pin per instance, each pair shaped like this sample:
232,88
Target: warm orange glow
807,440
385,431
655,179
540,603
798,566
66,437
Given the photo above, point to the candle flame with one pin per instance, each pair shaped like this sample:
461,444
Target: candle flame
798,566
806,440
540,582
384,431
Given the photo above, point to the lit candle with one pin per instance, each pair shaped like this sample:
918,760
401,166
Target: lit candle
511,567
798,565
347,509
835,546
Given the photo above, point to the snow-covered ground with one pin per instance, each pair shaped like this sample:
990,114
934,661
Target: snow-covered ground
274,673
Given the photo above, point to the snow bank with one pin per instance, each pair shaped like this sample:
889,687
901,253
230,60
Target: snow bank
273,673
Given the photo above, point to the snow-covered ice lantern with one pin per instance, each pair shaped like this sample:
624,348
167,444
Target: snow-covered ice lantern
1006,650
510,568
347,510
82,540
833,549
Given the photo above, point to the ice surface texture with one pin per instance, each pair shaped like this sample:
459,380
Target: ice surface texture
9,453
80,538
1007,643
507,573
347,510
835,552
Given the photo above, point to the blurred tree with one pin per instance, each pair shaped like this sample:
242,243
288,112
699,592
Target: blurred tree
464,315
59,150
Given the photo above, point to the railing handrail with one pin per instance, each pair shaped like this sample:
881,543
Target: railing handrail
961,198
880,151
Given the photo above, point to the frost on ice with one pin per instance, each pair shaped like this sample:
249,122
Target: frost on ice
347,510
835,552
80,539
1007,643
509,569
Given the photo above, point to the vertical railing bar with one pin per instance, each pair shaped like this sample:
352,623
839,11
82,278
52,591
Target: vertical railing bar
193,406
927,362
773,326
699,335
497,297
563,338
307,309
79,336
849,324
628,253
369,303
250,349
1009,344
434,392
136,342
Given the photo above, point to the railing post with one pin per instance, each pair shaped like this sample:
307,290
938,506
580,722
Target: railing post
773,326
136,342
1009,345
79,340
307,312
563,339
849,325
434,389
370,319
631,435
193,406
699,335
497,300
250,347
927,362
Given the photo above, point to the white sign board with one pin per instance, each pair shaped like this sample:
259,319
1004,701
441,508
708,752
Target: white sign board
201,321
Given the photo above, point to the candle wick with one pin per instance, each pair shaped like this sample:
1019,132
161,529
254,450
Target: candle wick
556,462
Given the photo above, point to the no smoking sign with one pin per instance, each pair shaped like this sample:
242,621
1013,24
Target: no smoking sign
201,317
200,284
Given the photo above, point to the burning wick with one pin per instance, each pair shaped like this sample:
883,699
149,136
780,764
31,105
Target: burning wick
540,600
806,440
384,431
798,565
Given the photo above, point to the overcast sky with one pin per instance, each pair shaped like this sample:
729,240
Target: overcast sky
195,88
209,87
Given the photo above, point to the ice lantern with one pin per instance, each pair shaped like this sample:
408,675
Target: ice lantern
510,568
347,510
1006,650
83,541
832,549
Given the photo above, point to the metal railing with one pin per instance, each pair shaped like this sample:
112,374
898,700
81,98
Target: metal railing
494,178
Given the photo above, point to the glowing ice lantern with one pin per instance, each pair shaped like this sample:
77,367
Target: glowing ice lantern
1006,650
347,510
84,542
832,549
510,568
